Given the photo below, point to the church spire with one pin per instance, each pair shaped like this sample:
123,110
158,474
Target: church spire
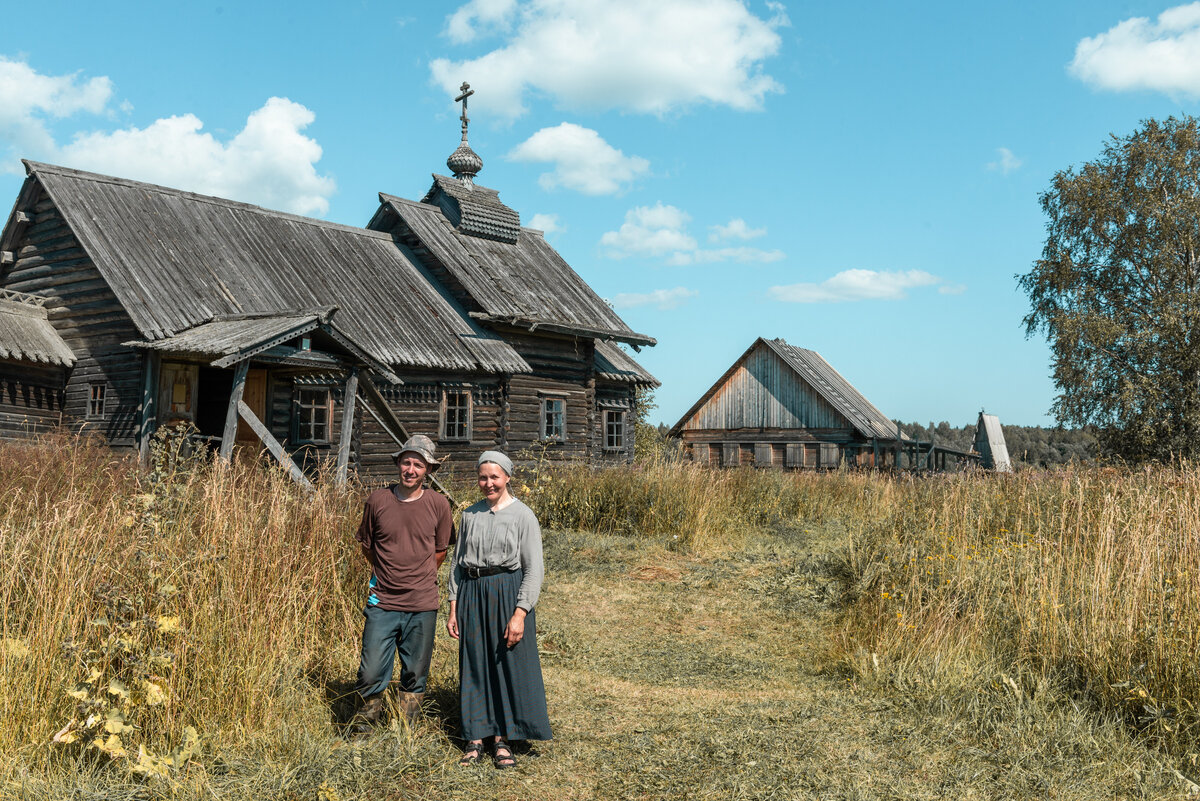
464,162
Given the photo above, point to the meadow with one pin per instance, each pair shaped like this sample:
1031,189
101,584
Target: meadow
192,632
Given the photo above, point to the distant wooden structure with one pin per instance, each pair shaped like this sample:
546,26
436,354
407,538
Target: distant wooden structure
783,406
990,444
126,306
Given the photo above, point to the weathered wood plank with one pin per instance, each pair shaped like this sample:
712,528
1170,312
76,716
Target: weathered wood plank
272,444
350,394
231,416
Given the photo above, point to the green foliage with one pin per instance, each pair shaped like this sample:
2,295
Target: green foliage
650,442
1117,291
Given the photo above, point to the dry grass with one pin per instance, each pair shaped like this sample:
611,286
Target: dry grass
752,655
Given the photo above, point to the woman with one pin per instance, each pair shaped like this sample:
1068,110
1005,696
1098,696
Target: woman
494,584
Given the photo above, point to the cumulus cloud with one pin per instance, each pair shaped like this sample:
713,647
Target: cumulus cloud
952,289
659,298
661,230
1140,54
1007,161
615,54
546,223
582,160
650,231
29,99
480,17
735,229
851,285
269,162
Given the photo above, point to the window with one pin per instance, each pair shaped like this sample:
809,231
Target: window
96,394
314,410
614,431
456,414
553,419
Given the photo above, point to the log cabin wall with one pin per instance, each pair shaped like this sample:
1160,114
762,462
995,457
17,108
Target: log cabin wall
562,371
50,262
619,399
31,399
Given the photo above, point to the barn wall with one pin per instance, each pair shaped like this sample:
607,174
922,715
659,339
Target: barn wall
50,262
763,391
31,399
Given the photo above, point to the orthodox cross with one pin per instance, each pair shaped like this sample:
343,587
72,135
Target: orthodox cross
467,91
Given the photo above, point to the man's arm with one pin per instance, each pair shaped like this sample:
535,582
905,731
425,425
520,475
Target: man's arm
440,556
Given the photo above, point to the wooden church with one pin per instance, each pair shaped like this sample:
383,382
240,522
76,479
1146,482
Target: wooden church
125,307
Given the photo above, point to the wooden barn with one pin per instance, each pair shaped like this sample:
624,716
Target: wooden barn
126,306
786,407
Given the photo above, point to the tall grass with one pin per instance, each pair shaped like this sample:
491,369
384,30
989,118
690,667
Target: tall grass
1084,580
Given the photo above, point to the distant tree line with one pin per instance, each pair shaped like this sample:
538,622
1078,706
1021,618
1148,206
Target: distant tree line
1033,446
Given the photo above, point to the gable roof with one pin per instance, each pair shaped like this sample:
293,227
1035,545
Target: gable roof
990,442
26,333
824,380
524,282
176,260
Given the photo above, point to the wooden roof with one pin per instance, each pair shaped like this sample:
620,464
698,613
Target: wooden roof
26,333
475,210
524,283
990,442
614,364
826,382
176,260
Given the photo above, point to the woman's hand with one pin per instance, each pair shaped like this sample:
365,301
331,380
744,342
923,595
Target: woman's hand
452,620
515,629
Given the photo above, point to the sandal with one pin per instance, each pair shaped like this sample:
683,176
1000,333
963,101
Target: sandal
502,755
471,754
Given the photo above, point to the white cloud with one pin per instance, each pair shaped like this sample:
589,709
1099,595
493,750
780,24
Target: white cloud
491,15
952,289
28,99
269,162
1139,54
851,285
650,231
735,229
1007,161
630,55
582,160
662,231
660,298
546,223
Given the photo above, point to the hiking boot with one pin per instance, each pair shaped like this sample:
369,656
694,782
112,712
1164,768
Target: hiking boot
367,718
410,706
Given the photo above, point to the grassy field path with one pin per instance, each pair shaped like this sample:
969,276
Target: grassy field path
675,677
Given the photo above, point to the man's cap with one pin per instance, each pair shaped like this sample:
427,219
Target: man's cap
422,446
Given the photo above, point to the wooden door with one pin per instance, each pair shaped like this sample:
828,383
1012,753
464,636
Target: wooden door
254,395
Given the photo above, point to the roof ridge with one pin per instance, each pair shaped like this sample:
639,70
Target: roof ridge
214,200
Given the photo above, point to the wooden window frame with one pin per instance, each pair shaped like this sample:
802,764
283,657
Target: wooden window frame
444,422
545,416
97,400
607,417
299,407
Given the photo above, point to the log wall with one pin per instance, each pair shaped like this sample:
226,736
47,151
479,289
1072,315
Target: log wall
31,399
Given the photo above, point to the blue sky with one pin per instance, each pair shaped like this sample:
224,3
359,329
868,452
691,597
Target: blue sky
859,179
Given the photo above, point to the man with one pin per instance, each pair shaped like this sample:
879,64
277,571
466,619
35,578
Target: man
405,533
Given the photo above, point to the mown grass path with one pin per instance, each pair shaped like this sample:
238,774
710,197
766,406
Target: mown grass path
675,677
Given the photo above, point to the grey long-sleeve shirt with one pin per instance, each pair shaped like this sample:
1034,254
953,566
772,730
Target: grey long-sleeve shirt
510,538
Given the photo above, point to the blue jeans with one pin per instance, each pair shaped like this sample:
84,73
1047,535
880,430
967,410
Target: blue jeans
387,633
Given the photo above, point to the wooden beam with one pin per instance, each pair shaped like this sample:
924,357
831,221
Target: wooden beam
7,257
272,444
348,398
231,414
149,408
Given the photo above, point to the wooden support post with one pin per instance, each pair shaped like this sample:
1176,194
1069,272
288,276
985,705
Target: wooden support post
148,421
348,398
231,415
272,444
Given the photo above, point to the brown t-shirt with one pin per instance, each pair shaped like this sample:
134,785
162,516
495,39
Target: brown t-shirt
403,538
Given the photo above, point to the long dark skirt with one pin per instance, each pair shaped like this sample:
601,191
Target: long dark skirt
501,688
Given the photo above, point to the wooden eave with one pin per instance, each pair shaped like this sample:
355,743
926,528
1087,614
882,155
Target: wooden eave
533,325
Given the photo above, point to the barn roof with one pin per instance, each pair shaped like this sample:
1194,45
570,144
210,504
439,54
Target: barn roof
176,260
26,333
519,281
990,442
825,381
614,364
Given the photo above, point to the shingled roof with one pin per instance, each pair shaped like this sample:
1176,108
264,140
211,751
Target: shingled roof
474,210
176,260
614,364
26,333
523,282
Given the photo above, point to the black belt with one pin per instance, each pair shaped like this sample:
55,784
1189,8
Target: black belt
480,572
